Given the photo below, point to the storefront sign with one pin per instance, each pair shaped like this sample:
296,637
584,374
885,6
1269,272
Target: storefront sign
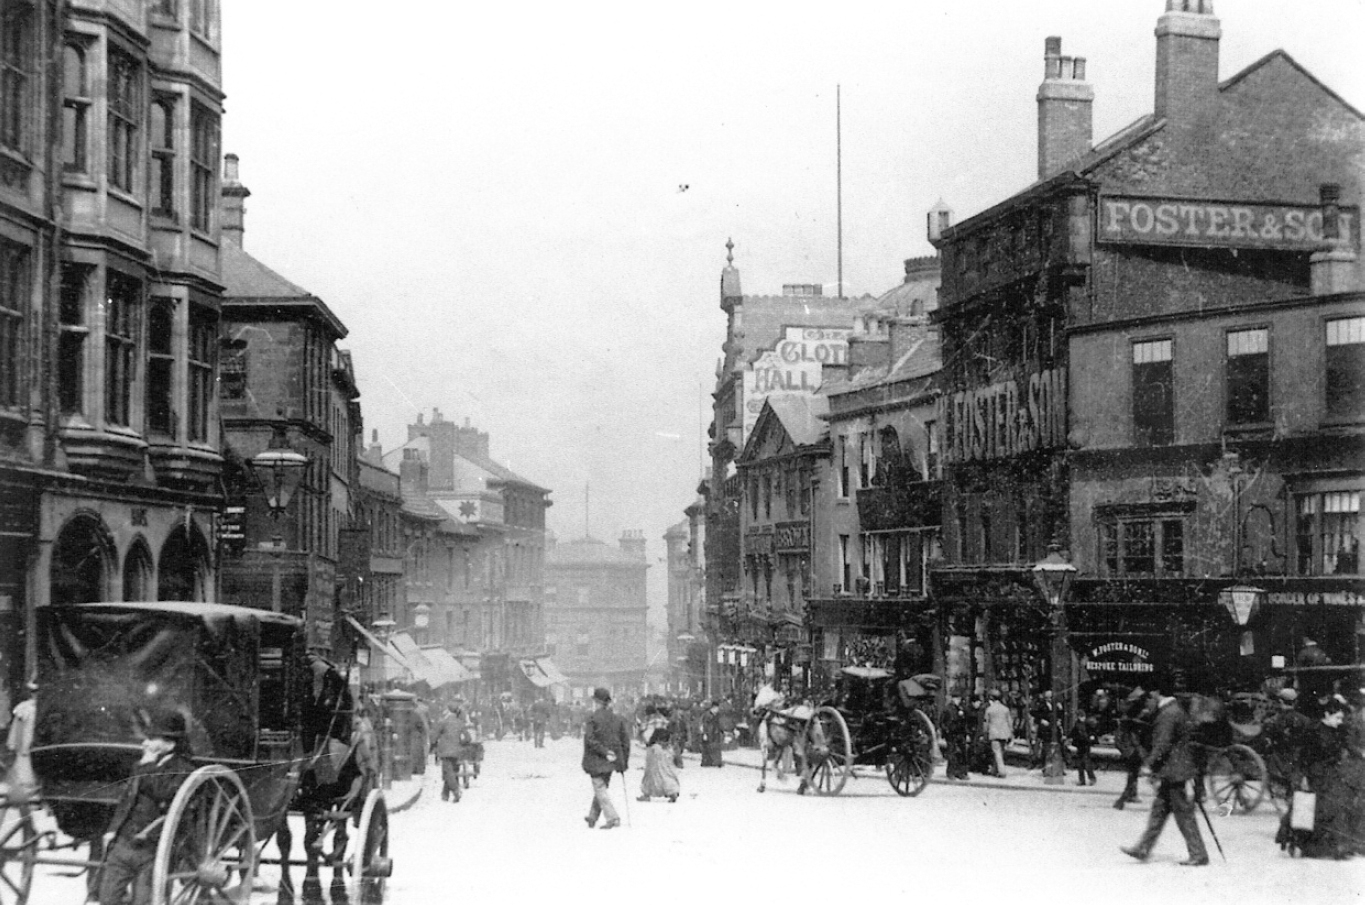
1315,598
1181,221
792,366
1117,659
1006,418
792,537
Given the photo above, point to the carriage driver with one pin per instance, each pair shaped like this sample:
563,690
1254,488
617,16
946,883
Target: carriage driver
136,825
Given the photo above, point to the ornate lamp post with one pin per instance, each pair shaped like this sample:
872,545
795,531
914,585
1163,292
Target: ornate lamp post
278,469
1053,577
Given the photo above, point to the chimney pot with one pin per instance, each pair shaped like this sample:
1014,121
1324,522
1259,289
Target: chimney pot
1064,111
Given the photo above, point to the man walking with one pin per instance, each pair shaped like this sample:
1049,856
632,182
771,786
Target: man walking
540,718
1172,766
1047,716
449,743
1133,738
999,730
606,750
957,735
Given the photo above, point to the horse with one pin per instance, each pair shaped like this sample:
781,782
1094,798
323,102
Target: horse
781,732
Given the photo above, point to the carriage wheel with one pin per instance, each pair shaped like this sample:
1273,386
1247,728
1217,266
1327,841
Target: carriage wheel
827,762
911,761
18,849
370,863
1237,776
207,851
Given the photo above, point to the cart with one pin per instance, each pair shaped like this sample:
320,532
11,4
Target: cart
872,720
243,681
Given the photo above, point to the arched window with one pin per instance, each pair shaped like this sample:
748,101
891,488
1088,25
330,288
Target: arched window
138,572
81,562
183,567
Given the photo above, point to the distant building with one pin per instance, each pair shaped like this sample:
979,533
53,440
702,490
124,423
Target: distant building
687,652
596,620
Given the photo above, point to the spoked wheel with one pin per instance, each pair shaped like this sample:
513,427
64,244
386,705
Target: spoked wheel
18,851
371,866
827,761
911,761
207,852
1237,777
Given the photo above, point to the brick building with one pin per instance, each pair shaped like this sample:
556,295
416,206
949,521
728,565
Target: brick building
1152,357
596,616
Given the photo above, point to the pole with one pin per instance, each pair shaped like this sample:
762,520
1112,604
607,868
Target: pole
1200,803
839,180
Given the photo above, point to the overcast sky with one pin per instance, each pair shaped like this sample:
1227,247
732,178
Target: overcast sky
488,195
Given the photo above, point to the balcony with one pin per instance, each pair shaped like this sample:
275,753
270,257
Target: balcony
900,503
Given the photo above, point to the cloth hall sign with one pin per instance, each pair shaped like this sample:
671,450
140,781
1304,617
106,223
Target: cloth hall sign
1184,221
1006,418
792,366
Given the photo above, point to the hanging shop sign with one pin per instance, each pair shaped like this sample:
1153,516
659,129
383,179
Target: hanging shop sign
792,366
1006,418
1181,221
1118,659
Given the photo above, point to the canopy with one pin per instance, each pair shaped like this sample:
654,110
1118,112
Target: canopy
450,670
542,672
394,665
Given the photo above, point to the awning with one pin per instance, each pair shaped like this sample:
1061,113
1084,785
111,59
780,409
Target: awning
541,672
417,663
392,664
448,667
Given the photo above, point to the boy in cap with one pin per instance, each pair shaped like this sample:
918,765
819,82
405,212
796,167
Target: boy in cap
135,827
606,750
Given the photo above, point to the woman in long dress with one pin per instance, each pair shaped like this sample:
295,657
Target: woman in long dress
661,777
1325,754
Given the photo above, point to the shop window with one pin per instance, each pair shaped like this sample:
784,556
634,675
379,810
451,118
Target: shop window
125,110
16,72
1150,547
1327,533
1248,376
160,366
162,190
1153,393
75,107
1345,363
203,167
14,297
120,341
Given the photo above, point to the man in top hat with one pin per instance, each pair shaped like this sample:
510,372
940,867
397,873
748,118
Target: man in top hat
133,832
1172,765
606,750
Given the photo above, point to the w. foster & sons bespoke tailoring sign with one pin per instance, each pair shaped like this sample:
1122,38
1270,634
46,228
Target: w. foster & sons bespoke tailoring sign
1182,221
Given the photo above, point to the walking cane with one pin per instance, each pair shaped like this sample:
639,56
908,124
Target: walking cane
625,791
1200,803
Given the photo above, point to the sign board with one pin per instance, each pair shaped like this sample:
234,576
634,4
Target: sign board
1006,418
1184,221
792,366
1118,660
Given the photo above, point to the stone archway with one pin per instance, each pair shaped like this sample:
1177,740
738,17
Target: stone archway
138,572
183,567
82,562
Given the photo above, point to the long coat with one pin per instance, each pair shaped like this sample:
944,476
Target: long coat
1172,757
605,731
999,724
449,731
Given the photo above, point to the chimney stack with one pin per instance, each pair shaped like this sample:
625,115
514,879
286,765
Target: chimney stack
234,196
940,217
1065,100
1186,63
1332,269
633,544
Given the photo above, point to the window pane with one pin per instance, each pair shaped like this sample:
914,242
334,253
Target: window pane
1345,367
1153,402
1304,521
1109,547
1172,547
1139,548
1248,377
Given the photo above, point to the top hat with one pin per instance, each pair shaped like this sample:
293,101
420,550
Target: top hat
167,724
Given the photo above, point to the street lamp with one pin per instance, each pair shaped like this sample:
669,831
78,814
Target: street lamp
1053,577
278,469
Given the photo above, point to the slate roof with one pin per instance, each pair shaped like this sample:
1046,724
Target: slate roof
801,416
248,282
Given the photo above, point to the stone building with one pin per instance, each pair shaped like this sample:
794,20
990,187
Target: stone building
596,616
110,293
1152,359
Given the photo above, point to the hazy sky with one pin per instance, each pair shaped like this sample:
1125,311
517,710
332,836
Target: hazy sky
488,195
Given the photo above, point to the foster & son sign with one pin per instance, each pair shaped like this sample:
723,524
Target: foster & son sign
1005,419
1182,221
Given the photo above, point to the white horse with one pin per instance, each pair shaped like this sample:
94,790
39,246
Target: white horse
781,733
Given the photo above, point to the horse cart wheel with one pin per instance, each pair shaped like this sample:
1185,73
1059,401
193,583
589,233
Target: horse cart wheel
207,851
18,850
1237,777
911,761
827,761
370,863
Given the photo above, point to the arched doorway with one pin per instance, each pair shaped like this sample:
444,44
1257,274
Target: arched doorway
183,566
138,572
82,561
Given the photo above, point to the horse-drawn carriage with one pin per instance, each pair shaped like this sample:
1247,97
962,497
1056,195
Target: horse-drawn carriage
871,720
269,731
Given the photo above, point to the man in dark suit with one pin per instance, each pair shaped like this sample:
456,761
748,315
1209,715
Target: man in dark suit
606,750
136,825
1048,716
1172,765
957,733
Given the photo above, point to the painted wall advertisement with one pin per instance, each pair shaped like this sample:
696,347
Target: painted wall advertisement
1184,221
1005,418
791,367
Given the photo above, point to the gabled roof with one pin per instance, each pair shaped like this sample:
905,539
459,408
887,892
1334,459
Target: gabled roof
799,415
501,473
249,284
